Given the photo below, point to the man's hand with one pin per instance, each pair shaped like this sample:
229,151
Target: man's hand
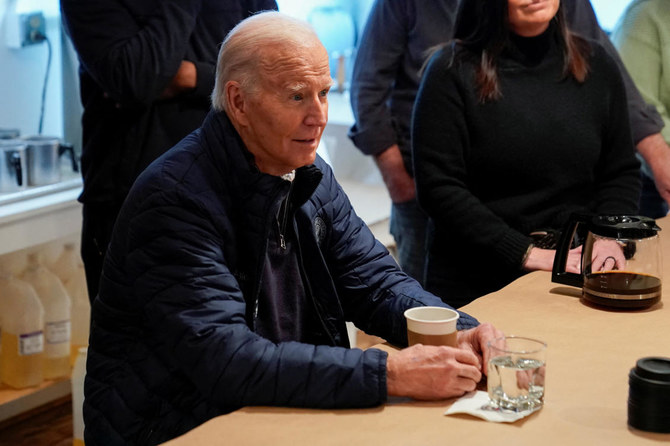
656,153
476,339
428,372
398,182
184,80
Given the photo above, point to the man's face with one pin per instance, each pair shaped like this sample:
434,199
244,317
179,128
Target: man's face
287,114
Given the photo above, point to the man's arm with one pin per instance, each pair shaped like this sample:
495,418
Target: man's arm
378,59
639,39
398,181
196,319
644,118
132,54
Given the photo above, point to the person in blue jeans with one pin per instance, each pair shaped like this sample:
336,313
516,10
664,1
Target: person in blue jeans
384,83
393,48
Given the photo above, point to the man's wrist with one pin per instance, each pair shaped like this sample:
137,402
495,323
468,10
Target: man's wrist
653,147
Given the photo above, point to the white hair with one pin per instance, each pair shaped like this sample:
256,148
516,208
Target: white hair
244,52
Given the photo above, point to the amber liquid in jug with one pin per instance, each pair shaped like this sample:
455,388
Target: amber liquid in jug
22,322
57,307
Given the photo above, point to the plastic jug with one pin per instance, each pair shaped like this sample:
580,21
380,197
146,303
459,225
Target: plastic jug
21,322
57,308
78,375
70,269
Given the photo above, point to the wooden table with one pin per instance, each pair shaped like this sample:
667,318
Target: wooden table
590,353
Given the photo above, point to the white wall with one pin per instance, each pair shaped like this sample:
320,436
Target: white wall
608,11
22,73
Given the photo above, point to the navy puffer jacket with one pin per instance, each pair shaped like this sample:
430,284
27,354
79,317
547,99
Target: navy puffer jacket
172,341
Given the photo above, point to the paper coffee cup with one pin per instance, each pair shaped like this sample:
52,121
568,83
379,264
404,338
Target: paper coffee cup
431,326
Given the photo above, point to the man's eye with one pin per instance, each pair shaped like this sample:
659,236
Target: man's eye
324,93
297,97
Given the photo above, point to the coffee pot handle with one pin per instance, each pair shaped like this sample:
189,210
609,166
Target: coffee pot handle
558,273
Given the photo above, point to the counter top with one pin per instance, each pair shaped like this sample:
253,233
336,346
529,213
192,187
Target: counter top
39,215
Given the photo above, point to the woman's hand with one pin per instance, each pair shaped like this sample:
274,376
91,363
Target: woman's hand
543,260
607,256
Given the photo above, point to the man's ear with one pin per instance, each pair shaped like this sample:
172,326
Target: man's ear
237,101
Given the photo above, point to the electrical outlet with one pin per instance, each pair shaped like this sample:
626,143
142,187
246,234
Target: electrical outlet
25,29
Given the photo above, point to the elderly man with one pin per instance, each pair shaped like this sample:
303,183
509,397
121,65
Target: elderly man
237,259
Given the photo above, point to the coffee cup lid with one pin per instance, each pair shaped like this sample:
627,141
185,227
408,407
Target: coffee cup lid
653,368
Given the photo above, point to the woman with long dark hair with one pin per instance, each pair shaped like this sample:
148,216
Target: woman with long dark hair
518,123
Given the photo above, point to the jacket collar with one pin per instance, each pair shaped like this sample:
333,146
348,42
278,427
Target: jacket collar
236,164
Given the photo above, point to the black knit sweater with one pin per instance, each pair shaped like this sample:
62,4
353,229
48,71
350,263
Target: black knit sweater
490,173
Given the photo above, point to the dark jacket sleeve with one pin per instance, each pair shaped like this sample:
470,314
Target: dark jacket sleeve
374,290
378,60
644,118
131,54
194,314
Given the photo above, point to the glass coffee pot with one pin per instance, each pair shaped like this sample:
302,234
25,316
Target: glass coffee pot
621,260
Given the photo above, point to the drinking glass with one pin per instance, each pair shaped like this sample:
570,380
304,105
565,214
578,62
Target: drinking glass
516,373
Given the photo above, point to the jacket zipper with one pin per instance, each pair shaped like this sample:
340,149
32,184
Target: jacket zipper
282,243
282,227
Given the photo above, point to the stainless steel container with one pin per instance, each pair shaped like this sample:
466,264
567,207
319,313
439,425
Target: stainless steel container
44,154
9,133
12,165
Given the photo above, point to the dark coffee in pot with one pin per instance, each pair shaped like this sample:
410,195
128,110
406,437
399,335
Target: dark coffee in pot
622,289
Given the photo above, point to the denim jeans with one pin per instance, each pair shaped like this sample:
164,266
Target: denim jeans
408,227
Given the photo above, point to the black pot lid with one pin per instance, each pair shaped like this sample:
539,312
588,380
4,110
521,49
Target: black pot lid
624,226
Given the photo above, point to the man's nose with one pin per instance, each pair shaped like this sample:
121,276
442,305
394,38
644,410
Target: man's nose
317,114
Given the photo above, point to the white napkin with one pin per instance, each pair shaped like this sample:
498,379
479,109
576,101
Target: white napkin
477,403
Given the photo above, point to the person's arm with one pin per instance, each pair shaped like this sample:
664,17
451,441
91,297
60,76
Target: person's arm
640,38
374,291
132,54
396,178
644,119
194,315
440,142
378,59
656,152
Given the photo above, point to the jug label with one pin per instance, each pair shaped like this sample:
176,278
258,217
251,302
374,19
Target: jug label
58,332
31,343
